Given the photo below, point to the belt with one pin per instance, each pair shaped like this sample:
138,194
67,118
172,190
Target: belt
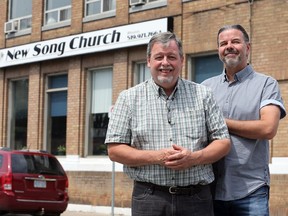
175,190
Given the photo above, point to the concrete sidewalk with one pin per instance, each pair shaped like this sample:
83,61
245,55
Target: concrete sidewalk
88,210
79,213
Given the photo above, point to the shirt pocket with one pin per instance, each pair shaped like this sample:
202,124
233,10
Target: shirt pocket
191,123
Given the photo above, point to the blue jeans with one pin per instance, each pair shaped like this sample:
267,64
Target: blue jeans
255,204
149,202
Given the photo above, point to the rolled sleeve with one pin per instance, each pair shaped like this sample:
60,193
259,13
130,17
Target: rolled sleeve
119,123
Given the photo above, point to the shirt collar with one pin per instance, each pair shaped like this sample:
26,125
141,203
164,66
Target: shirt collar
159,91
240,75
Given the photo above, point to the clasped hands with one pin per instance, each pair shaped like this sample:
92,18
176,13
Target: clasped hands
178,158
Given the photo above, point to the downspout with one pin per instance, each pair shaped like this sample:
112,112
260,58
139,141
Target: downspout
250,26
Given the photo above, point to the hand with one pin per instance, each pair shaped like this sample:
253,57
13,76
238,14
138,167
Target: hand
164,155
182,159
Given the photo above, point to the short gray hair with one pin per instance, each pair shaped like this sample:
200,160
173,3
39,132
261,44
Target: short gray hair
238,27
164,38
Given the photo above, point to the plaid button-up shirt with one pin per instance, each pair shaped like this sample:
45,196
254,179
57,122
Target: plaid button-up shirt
145,118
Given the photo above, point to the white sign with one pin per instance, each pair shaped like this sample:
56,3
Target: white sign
96,41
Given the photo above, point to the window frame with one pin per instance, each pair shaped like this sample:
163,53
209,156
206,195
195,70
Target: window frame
46,138
88,150
148,5
101,15
137,79
11,104
57,23
18,21
191,64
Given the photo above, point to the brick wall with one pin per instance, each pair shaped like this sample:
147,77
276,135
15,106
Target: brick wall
95,188
278,195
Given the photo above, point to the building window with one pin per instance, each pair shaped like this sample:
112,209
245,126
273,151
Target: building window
203,67
136,6
99,6
20,14
57,11
18,110
56,113
141,72
101,102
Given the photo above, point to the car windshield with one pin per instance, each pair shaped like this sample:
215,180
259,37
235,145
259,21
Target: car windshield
36,164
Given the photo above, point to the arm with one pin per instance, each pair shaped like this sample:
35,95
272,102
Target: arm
125,154
217,136
185,158
264,128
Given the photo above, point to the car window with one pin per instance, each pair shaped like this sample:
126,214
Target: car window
19,165
37,164
1,161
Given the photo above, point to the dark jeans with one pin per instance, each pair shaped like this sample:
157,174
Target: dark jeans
152,202
256,204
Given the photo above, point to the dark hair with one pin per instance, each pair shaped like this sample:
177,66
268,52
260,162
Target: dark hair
238,27
164,38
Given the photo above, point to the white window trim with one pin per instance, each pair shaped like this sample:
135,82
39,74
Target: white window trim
58,10
18,20
92,1
106,14
20,32
101,15
148,5
57,24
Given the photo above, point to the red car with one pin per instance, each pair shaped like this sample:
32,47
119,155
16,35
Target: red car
32,182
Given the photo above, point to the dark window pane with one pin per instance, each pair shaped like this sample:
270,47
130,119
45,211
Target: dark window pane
1,161
58,103
58,134
35,163
19,115
100,124
206,67
58,82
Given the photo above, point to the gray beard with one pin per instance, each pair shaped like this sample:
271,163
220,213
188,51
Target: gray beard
165,79
232,62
